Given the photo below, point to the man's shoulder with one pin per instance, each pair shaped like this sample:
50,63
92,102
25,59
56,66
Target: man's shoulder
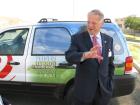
80,35
107,36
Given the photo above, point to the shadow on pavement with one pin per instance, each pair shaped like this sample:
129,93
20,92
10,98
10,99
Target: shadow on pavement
114,101
27,99
136,95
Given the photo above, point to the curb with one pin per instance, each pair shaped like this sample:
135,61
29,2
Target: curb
137,66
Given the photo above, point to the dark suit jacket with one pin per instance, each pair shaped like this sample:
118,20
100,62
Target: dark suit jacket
90,72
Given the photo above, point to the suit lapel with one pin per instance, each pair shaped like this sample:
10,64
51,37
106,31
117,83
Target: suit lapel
103,44
87,40
89,44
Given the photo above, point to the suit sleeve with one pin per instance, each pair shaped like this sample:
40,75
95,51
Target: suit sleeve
111,64
73,55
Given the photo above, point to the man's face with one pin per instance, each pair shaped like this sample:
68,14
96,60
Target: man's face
94,24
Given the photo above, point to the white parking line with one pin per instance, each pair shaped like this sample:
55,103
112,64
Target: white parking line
1,101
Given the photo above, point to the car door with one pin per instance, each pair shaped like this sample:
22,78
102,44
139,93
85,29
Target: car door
13,52
46,60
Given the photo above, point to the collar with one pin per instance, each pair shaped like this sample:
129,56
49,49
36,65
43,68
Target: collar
98,36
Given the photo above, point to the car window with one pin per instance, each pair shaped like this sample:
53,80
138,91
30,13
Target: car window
118,48
13,41
51,41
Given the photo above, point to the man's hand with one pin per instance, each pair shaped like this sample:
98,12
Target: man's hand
93,53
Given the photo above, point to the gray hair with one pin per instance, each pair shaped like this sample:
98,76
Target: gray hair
97,12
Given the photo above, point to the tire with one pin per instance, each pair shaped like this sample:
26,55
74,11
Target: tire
69,98
5,101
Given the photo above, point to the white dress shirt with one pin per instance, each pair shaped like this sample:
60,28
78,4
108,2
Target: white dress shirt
99,40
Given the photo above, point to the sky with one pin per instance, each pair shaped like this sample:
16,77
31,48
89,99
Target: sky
34,10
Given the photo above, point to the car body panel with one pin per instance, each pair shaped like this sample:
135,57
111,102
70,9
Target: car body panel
15,72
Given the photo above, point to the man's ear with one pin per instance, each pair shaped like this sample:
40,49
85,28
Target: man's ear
102,23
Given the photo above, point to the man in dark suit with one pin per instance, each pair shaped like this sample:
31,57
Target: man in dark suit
92,52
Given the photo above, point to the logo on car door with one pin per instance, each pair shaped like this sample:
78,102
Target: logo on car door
5,68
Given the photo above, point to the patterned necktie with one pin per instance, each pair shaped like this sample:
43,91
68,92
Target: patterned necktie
95,42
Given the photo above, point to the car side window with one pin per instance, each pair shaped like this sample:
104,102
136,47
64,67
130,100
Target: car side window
51,41
13,41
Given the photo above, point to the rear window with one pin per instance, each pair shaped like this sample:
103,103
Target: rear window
118,48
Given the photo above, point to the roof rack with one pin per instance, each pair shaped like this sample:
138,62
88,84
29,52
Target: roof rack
107,20
45,20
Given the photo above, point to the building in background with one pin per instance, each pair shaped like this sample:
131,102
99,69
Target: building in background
121,21
8,21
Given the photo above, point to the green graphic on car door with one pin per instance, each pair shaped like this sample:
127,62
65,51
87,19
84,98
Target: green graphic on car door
47,63
49,69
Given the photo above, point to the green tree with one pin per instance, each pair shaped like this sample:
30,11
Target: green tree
129,22
132,23
137,23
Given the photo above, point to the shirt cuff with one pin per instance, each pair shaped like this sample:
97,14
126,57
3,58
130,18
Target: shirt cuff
82,59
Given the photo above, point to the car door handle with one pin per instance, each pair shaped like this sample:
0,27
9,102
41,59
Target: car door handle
65,65
14,63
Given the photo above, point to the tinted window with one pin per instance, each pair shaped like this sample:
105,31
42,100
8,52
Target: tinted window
118,48
51,41
13,41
